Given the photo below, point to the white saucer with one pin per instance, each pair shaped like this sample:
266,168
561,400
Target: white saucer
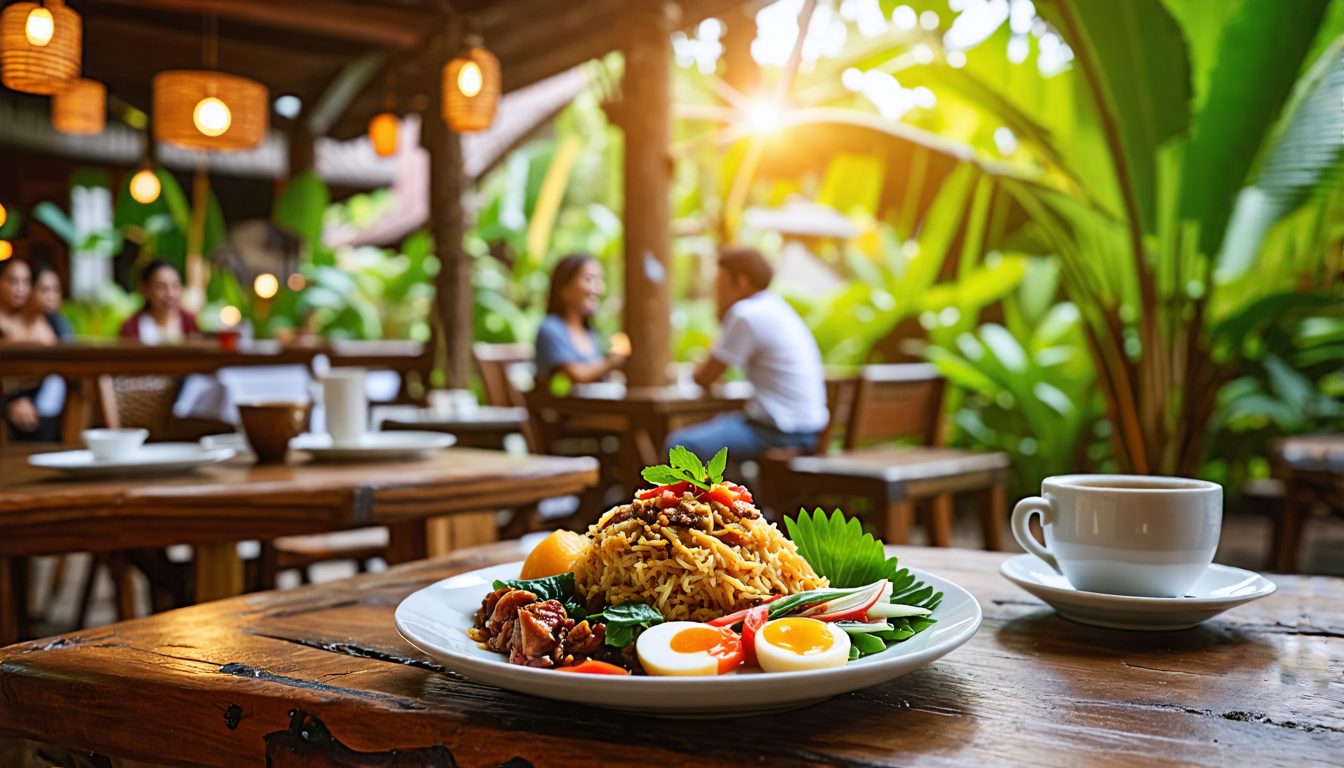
1220,588
152,459
374,446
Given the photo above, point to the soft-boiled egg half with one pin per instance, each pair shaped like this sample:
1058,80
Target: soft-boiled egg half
689,648
797,643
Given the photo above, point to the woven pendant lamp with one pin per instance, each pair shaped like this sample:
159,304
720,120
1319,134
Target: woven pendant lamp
471,85
200,109
39,46
80,108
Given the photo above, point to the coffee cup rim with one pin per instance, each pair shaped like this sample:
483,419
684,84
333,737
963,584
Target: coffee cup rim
1160,483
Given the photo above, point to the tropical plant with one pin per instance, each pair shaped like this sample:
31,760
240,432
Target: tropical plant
1027,387
1183,126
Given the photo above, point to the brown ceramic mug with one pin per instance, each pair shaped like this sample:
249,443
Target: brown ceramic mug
270,426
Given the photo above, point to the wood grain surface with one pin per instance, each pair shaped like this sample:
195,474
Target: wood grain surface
43,513
292,673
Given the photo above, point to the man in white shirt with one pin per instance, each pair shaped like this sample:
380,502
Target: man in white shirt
762,335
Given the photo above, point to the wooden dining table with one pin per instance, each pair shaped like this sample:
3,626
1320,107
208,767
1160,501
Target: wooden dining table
43,513
1312,470
485,427
319,676
642,417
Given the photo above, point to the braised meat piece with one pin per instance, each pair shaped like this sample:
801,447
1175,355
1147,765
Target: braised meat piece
498,616
539,634
584,642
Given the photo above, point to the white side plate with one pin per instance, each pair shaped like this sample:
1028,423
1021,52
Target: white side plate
374,446
436,619
1220,588
152,459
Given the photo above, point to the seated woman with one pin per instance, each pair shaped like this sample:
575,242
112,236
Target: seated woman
47,297
162,320
22,321
566,342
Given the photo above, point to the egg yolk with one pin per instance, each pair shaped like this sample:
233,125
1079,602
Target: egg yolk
802,636
697,640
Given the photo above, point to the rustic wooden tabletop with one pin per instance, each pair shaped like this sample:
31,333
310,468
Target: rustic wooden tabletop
315,675
211,509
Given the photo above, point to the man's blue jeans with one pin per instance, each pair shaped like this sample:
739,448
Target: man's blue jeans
744,439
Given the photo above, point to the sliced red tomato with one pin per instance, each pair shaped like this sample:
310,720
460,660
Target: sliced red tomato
594,667
730,619
722,494
756,618
668,499
675,488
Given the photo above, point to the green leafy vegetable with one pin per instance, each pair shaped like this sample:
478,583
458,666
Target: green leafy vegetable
625,622
838,549
559,587
684,466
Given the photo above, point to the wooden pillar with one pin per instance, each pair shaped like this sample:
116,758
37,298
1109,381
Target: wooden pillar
302,155
447,224
740,70
646,119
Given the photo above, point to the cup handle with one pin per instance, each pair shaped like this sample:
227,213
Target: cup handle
1033,505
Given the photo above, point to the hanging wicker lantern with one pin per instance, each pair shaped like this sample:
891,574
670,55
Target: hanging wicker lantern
383,129
81,108
199,109
39,46
471,87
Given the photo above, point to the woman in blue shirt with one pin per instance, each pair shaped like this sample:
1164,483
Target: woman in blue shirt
566,342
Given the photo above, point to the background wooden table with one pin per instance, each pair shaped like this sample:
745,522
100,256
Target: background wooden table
42,513
642,417
485,428
216,685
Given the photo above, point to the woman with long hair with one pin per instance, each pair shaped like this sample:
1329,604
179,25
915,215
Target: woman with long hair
566,341
162,320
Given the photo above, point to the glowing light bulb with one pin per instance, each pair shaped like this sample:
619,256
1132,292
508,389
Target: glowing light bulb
266,285
295,282
40,28
4,215
469,80
229,315
145,186
212,116
6,249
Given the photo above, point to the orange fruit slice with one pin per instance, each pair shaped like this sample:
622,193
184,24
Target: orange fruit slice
556,554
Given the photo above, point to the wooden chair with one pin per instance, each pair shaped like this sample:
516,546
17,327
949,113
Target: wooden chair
894,403
1312,470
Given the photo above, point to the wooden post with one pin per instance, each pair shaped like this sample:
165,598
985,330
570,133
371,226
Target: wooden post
302,154
646,119
447,224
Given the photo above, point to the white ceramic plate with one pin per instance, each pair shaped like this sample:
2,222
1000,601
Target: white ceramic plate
374,446
152,459
436,620
1220,588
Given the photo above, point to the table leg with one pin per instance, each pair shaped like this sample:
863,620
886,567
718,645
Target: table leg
12,600
76,412
992,514
1290,528
219,571
467,529
940,520
896,527
407,542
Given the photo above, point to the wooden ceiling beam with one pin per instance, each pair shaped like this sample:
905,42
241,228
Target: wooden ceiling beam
364,23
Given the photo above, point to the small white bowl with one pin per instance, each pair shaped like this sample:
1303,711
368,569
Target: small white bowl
114,443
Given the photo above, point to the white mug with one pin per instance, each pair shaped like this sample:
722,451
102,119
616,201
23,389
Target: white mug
347,408
1125,534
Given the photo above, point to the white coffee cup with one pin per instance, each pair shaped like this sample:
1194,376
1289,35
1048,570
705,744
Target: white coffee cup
346,406
109,444
1125,534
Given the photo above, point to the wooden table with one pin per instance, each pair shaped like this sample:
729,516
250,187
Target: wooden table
42,513
484,428
1312,470
643,417
237,681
